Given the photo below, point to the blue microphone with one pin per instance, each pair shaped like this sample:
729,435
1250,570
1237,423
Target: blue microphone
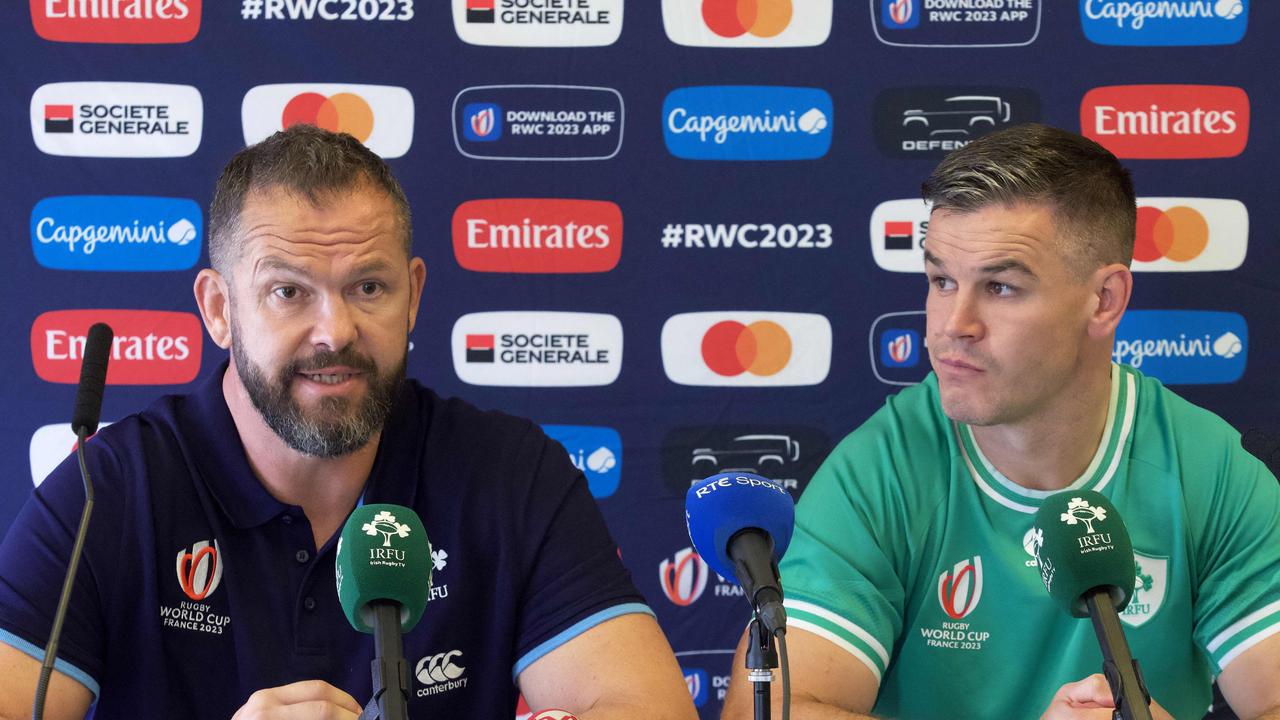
741,524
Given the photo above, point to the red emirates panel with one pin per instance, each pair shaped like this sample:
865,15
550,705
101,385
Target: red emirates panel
1164,122
151,347
537,235
112,21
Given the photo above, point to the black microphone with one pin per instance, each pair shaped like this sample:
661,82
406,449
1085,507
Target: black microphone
93,377
1086,563
84,421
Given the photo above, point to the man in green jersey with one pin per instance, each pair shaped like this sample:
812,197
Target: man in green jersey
911,589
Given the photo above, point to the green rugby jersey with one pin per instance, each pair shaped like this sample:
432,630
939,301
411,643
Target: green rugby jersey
911,554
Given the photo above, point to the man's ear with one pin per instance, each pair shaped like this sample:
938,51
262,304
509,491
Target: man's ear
417,279
213,297
1112,287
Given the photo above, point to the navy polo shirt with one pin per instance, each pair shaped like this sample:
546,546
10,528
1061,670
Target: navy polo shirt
198,588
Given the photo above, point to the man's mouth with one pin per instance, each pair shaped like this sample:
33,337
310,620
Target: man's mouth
328,379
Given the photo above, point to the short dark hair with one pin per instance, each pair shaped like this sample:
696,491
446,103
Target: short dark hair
1089,191
303,160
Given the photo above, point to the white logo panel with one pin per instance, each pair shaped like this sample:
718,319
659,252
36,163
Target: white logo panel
746,348
520,23
808,24
117,119
1190,234
537,349
50,445
380,116
897,235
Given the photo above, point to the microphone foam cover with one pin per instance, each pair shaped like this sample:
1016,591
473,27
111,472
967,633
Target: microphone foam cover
719,506
1080,544
93,378
383,554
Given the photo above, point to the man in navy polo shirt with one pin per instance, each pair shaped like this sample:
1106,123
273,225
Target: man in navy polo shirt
207,584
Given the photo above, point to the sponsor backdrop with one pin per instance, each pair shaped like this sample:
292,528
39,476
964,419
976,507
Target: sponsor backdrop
682,235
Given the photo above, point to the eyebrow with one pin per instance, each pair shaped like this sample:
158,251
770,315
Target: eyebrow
994,269
275,263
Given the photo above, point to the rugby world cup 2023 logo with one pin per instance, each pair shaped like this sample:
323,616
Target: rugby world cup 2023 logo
960,588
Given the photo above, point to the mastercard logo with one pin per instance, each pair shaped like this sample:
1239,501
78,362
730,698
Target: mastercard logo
380,116
762,348
732,18
343,112
747,23
1190,234
1179,233
746,349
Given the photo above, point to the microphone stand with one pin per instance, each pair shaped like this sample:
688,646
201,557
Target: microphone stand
390,699
762,658
1133,701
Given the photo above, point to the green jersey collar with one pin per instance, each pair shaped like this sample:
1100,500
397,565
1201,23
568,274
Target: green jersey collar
1121,409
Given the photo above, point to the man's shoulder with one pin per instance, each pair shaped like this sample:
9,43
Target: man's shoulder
1171,431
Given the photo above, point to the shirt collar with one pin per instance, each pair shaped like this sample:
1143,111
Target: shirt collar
213,441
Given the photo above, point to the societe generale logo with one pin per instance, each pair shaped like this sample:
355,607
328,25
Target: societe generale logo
380,116
50,445
1190,234
117,119
521,23
537,235
537,349
747,23
683,577
1154,122
151,347
105,21
746,348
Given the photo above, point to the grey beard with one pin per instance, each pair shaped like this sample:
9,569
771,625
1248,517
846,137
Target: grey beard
334,428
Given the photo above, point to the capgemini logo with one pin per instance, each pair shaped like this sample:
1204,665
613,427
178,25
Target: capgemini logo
1228,346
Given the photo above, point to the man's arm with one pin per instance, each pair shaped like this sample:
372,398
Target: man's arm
1251,682
621,668
19,672
827,683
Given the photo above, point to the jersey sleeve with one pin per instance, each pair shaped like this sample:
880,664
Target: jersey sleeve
841,572
33,562
1238,557
575,579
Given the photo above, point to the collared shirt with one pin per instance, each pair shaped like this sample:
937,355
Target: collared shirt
198,588
914,554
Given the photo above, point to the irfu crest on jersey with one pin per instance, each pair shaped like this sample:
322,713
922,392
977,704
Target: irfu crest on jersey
1150,583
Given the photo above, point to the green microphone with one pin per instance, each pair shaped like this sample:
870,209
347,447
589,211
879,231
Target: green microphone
1087,565
383,572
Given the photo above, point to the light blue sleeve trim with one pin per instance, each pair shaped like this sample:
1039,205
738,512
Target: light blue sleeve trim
60,665
575,630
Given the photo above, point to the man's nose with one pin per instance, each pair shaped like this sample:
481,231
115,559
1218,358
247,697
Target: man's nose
335,326
964,320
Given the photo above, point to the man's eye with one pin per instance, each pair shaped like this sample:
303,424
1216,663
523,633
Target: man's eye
286,292
940,282
1001,289
369,287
